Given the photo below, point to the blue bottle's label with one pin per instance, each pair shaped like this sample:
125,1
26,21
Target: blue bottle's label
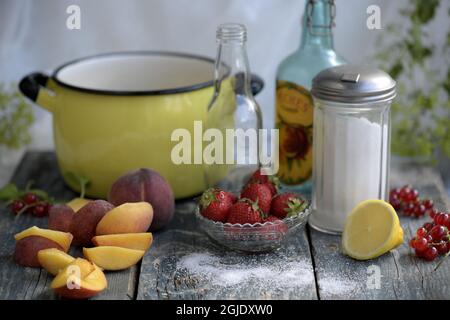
294,119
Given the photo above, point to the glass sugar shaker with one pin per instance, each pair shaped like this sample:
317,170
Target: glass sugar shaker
351,141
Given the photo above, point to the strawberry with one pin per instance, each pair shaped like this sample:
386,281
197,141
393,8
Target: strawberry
271,181
286,204
215,204
274,230
245,211
259,193
272,218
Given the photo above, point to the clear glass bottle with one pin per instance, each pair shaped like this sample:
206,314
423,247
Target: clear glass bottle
294,104
233,114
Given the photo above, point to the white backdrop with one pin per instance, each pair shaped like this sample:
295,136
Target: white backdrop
33,35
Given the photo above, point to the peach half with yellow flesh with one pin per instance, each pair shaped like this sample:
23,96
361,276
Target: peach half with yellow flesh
80,279
54,260
64,239
134,217
113,258
26,250
138,241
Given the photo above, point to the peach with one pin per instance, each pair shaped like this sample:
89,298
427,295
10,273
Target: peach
63,239
113,258
81,279
60,217
54,260
145,185
127,218
26,251
86,219
138,241
78,203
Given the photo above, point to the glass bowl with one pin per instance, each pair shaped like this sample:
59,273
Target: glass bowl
258,237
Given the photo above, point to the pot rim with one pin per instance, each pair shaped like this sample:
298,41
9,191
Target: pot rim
182,89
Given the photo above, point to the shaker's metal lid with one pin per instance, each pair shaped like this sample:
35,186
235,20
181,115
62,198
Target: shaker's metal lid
353,84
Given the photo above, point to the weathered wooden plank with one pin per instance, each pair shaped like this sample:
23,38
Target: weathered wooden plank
184,264
31,283
403,275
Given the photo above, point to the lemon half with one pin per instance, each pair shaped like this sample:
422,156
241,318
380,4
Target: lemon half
371,229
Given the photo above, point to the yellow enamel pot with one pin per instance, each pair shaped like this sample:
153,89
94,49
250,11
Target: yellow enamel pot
116,112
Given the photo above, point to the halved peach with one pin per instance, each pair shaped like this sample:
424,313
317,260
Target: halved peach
86,219
138,241
26,250
113,258
64,239
133,217
78,203
60,217
81,279
54,260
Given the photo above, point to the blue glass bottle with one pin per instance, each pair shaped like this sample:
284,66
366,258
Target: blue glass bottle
294,106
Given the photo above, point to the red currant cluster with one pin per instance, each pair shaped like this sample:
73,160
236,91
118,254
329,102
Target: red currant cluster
407,201
433,238
30,203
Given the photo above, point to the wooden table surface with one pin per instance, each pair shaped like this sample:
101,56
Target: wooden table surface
184,264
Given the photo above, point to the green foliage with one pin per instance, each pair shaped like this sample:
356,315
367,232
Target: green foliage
420,115
16,117
76,179
10,192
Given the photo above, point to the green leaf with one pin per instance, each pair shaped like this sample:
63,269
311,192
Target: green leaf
418,52
446,83
77,179
396,70
9,192
16,118
425,10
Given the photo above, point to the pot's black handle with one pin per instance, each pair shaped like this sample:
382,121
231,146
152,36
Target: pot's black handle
34,87
256,83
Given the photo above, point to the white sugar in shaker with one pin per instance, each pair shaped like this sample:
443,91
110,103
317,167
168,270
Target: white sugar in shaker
351,141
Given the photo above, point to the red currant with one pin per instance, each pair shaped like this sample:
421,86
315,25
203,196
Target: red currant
430,254
442,247
440,218
396,203
421,232
404,192
428,226
420,243
428,203
419,253
30,198
394,192
447,223
17,205
409,209
419,210
411,196
39,210
432,213
438,232
445,219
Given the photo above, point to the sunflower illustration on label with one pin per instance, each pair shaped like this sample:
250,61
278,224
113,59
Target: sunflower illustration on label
294,120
